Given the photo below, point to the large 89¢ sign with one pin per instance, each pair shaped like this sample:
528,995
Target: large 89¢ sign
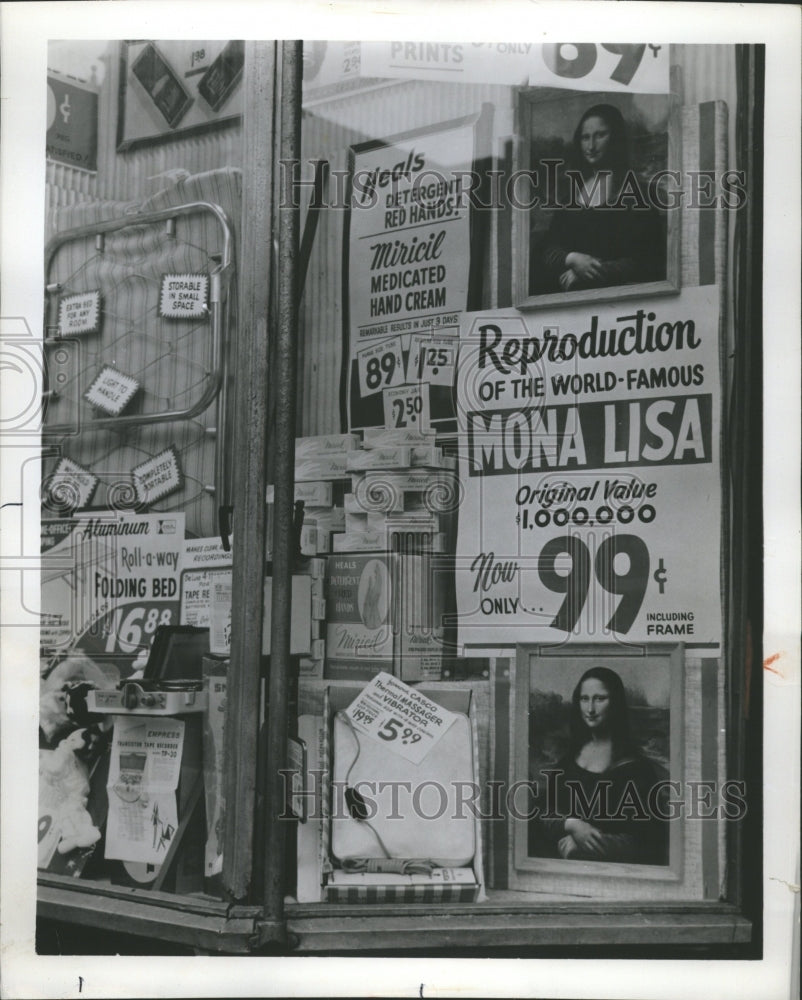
590,465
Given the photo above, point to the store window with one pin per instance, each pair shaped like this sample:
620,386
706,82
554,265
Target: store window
511,677
520,295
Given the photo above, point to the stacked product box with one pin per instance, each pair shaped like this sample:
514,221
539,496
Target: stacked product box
386,597
306,624
321,478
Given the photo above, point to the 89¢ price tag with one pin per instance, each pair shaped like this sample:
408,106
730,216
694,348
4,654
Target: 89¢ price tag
380,366
407,408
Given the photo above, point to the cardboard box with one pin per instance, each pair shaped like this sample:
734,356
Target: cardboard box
313,494
332,465
359,635
438,889
324,444
220,587
309,884
396,457
301,620
381,437
214,682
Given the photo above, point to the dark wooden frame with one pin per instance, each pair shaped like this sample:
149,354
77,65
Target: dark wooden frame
522,297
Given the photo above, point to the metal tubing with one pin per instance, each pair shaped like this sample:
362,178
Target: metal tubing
218,285
284,386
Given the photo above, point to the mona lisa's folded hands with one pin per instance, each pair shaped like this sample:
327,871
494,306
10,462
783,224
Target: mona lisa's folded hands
584,265
586,837
568,280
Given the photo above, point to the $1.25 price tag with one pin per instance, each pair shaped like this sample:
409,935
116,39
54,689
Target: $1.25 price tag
407,408
431,359
399,717
380,366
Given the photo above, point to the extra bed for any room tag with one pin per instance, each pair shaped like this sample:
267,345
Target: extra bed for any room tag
399,717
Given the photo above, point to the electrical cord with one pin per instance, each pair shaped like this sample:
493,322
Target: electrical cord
358,811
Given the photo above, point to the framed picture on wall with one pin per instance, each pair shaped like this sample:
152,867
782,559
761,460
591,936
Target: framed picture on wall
596,222
170,88
608,748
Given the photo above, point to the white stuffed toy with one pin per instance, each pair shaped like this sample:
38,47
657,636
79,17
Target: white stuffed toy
64,793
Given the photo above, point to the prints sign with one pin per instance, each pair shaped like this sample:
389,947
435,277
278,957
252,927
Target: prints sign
158,477
637,68
590,465
112,391
408,256
79,313
183,296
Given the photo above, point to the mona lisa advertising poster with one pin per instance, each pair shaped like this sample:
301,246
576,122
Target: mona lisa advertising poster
481,378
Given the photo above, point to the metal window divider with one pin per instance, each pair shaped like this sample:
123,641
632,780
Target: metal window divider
271,931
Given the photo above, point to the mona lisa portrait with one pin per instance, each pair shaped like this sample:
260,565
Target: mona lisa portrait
596,222
601,746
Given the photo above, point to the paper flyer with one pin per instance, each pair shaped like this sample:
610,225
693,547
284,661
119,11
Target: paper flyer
589,447
143,779
109,580
399,717
200,556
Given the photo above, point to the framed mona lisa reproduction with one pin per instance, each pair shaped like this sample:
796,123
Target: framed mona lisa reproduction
598,223
611,748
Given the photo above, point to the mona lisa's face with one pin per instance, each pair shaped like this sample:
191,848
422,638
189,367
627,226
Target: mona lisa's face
594,704
594,140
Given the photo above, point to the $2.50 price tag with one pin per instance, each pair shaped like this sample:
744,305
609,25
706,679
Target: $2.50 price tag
399,717
407,408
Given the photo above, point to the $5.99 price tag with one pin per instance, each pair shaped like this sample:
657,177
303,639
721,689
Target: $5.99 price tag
380,366
399,717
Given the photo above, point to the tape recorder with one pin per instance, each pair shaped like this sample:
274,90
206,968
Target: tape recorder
171,683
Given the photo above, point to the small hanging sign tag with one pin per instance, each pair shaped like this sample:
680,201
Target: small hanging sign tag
79,313
112,390
399,717
71,486
158,477
183,296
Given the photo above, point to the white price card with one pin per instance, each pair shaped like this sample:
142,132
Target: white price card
112,390
399,717
432,359
71,486
183,296
407,408
158,477
380,366
79,313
